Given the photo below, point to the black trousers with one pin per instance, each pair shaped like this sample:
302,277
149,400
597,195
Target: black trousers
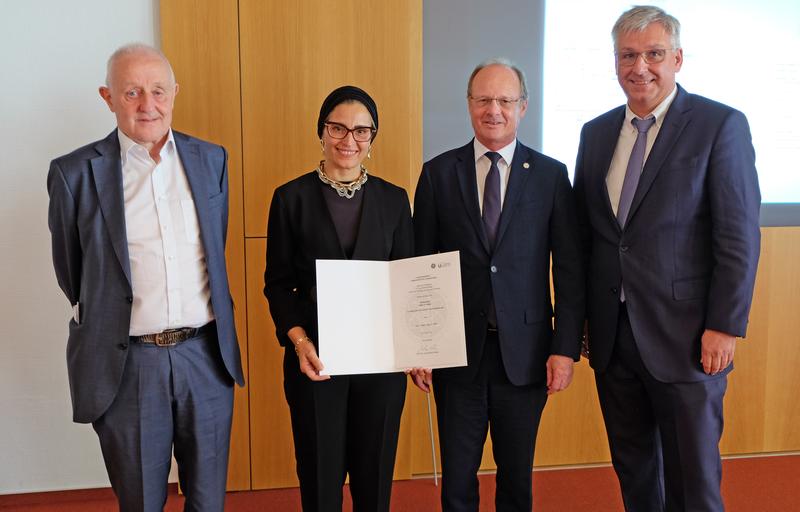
465,413
179,397
664,437
346,425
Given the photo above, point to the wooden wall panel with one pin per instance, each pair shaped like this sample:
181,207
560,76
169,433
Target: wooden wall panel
572,426
201,41
782,373
745,399
293,55
270,429
761,408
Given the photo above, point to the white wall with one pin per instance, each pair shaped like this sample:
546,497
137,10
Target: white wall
52,57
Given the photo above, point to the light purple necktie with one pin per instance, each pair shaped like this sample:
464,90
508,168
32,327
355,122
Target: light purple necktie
632,174
634,170
491,198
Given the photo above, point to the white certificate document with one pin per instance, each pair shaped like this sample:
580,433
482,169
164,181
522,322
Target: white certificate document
387,316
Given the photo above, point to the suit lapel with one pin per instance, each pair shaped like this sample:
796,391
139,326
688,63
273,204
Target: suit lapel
107,173
675,121
605,153
521,168
197,175
468,184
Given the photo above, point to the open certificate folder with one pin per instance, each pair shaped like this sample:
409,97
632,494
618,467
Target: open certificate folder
387,316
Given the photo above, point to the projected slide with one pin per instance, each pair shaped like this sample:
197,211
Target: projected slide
742,53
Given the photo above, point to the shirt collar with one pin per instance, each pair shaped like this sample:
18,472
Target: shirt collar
507,152
659,112
126,144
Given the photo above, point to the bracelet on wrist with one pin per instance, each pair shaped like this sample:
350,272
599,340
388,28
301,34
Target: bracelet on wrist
299,341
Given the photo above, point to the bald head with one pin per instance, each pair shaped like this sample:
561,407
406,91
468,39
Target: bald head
135,50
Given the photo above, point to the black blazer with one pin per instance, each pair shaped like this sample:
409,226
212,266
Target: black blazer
300,231
537,221
690,247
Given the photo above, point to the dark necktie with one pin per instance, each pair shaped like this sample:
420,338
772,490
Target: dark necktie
491,198
491,217
634,170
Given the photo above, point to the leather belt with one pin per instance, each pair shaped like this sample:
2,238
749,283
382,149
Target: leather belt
172,337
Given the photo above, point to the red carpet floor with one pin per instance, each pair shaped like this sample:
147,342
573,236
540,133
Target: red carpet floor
758,484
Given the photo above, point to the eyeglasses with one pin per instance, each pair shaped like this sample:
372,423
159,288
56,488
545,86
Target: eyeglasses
485,101
653,56
340,131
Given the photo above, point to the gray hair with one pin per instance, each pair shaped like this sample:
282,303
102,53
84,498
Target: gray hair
135,49
500,61
638,18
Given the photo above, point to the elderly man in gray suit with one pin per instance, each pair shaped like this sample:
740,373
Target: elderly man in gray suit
138,223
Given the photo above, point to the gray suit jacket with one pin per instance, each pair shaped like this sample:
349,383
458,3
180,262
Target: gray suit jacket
90,256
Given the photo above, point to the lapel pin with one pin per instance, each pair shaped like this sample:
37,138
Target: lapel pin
526,165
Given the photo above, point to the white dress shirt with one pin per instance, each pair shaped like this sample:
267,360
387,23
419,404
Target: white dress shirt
627,138
168,266
482,164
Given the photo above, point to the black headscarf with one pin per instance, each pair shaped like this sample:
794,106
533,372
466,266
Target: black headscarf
341,95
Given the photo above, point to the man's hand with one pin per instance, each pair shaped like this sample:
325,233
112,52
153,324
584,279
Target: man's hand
717,351
422,377
559,373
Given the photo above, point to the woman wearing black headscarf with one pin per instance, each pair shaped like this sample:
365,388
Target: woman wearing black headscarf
344,424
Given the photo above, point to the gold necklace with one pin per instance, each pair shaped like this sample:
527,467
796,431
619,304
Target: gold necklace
346,190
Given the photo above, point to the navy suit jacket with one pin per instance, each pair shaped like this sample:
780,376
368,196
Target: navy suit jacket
90,256
690,247
537,221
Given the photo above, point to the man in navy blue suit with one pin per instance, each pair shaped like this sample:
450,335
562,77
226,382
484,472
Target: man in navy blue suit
138,223
507,209
668,200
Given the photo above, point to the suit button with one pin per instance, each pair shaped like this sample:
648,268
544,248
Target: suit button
129,299
493,269
122,346
614,290
623,248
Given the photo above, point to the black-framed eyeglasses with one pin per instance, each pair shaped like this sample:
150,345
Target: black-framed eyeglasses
340,131
485,101
654,56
